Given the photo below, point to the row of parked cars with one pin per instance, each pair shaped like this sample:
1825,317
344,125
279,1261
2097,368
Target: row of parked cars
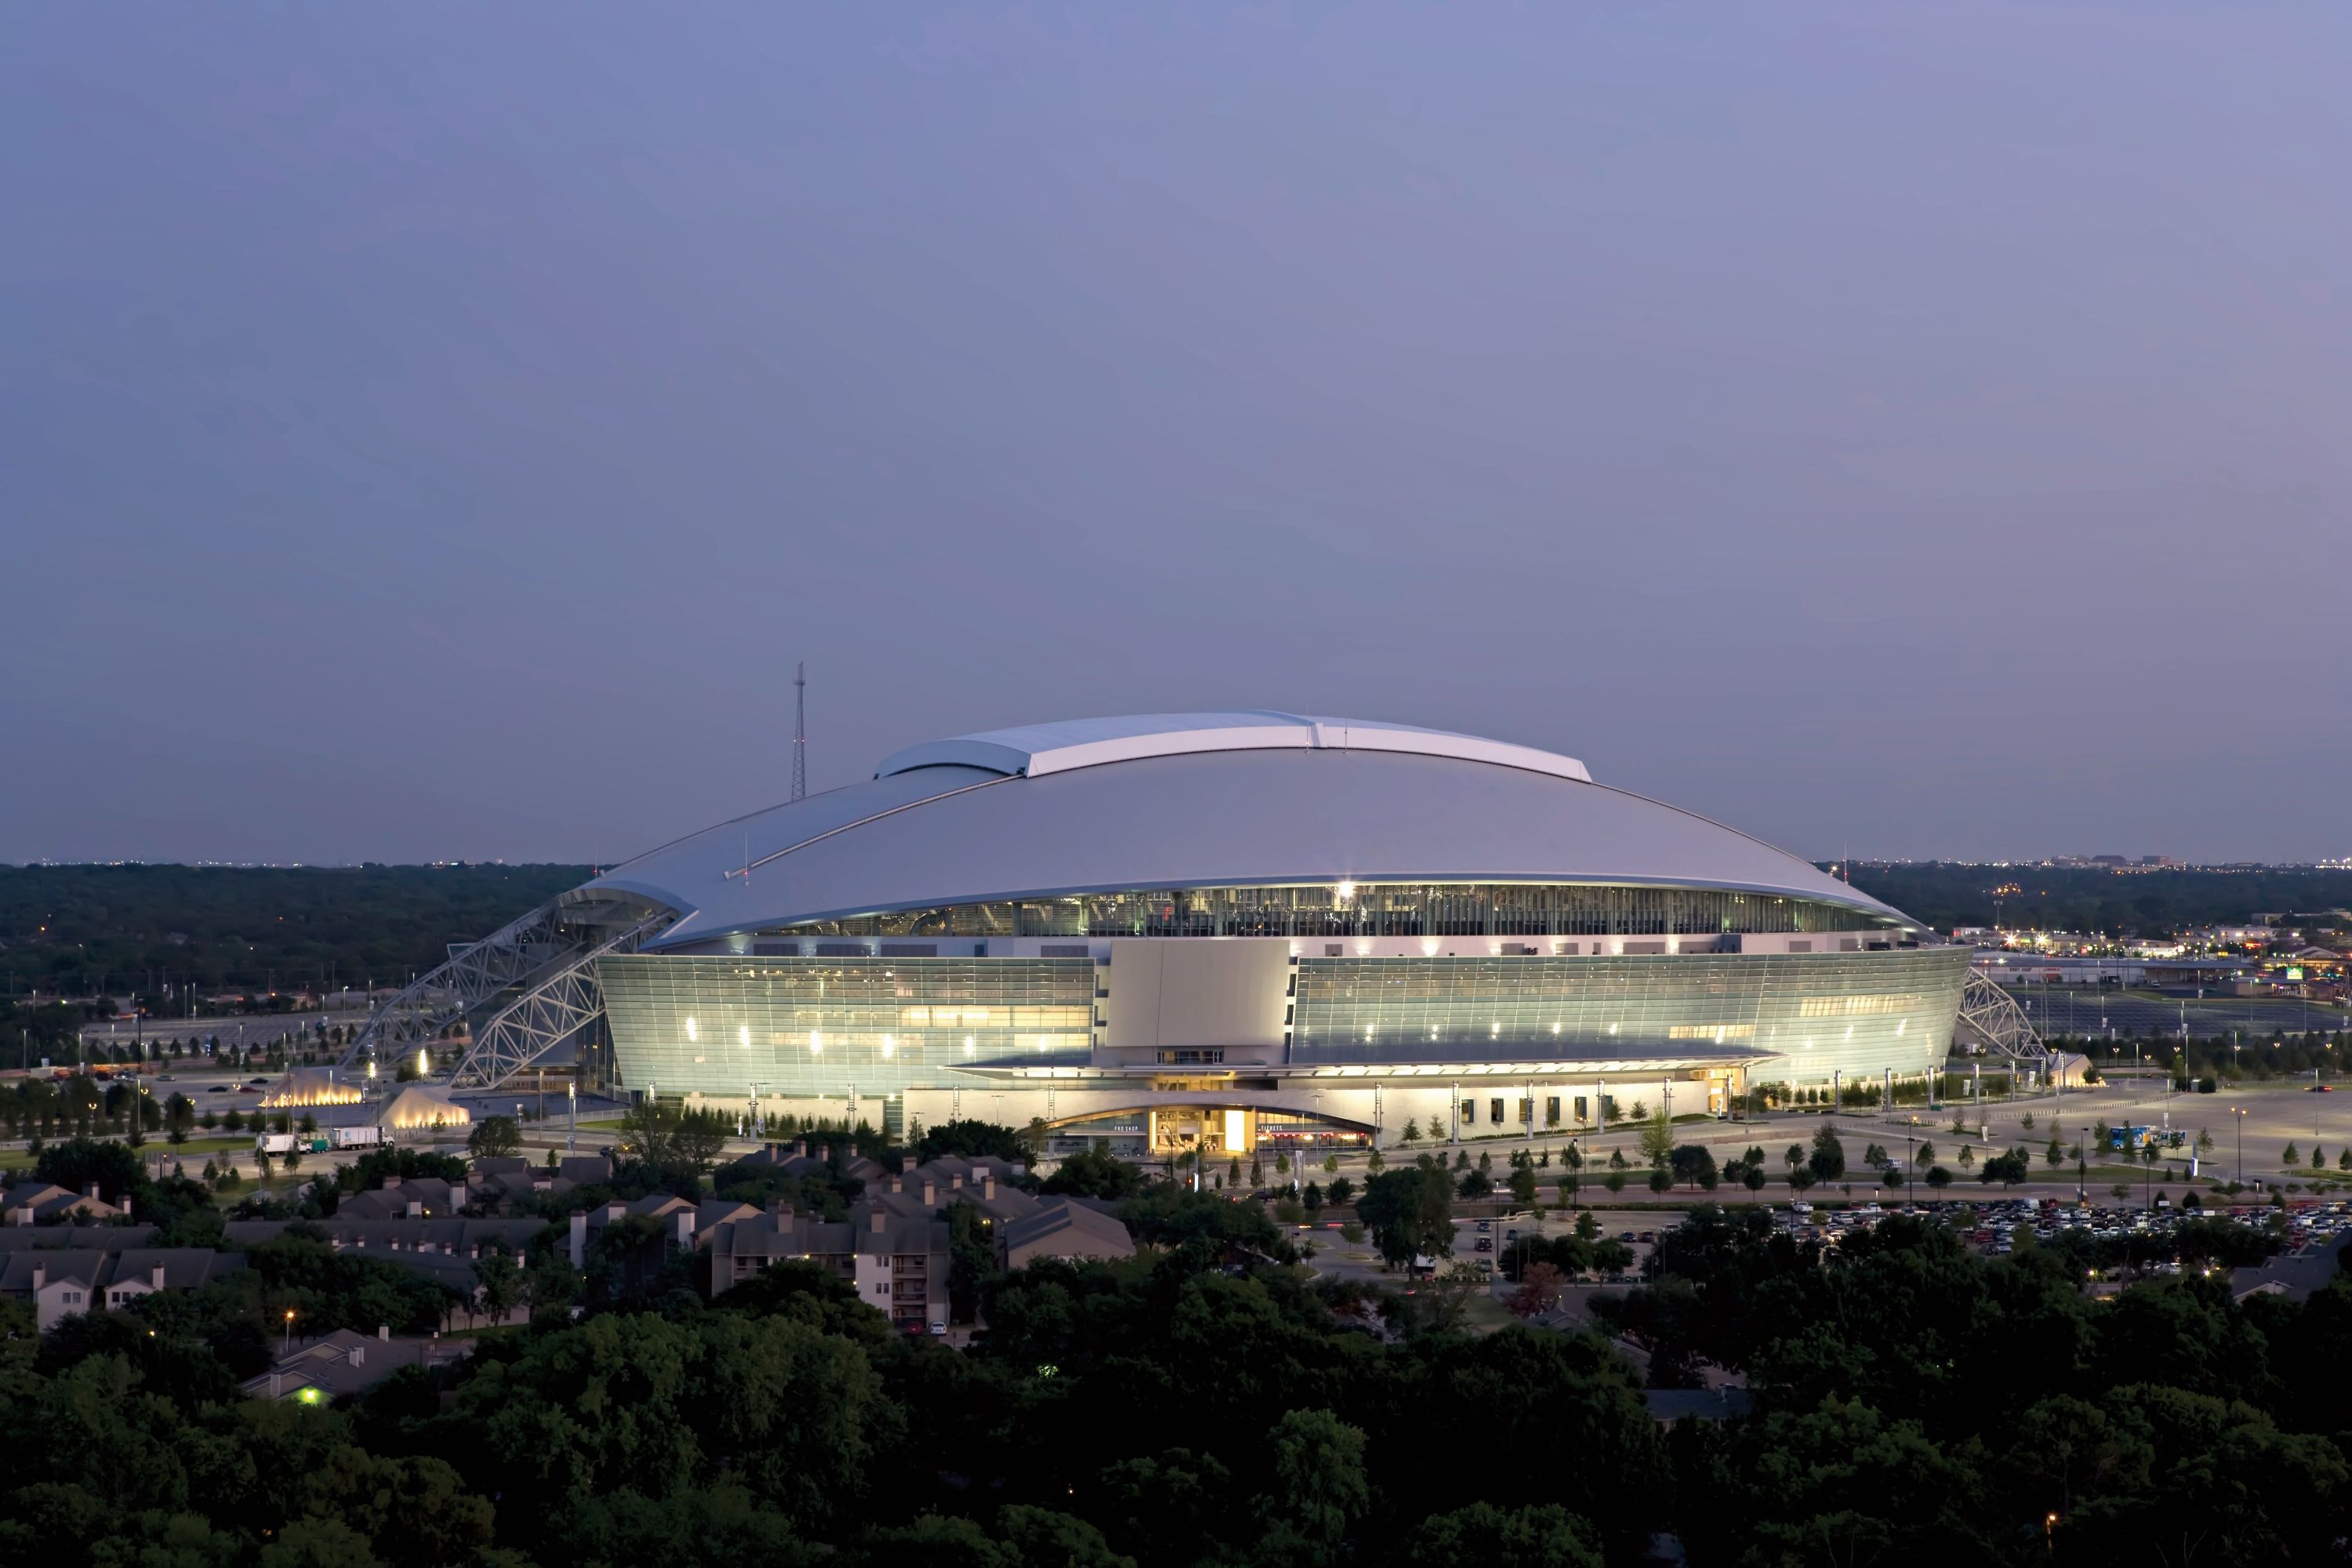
1997,1226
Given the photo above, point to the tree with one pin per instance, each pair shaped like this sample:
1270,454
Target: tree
968,1139
1926,1156
498,1284
1095,1172
1486,1535
2289,1157
495,1137
2006,1169
1694,1167
1657,1137
1541,1285
79,1162
1523,1184
1939,1177
1412,1130
1827,1161
1410,1213
1475,1185
664,1136
1316,1488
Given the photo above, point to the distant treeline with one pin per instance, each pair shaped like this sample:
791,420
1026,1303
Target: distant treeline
126,929
2143,903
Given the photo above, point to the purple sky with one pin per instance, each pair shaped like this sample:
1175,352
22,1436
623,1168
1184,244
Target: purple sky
437,433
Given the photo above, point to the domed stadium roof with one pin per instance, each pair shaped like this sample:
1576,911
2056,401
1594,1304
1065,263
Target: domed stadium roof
1168,801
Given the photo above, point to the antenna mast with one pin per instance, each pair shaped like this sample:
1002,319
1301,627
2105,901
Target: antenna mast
800,732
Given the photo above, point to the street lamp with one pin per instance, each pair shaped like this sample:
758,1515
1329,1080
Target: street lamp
289,1346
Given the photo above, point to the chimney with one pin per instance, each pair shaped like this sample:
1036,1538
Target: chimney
880,1218
457,1197
416,1208
579,1237
800,1148
91,1192
155,1276
126,1206
384,1330
391,1182
615,1210
987,1186
771,1153
955,1180
686,1230
931,1193
40,1275
827,1155
898,1184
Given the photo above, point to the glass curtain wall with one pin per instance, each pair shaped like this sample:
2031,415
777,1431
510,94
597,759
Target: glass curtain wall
1857,1013
805,1027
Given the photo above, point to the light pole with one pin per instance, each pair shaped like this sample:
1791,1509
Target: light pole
2082,1168
572,1129
2239,1113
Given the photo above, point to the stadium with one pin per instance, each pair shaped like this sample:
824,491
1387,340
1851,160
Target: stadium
1222,931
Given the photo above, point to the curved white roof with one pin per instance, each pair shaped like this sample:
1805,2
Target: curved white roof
1036,749
955,827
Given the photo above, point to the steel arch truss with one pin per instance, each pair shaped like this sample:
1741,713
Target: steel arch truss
1991,1017
470,976
552,1009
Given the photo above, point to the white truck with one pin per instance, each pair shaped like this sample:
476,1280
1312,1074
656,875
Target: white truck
367,1137
285,1142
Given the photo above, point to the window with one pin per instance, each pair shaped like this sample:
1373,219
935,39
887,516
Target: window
1526,1111
1551,1110
1470,1112
1317,909
1495,1111
1583,1111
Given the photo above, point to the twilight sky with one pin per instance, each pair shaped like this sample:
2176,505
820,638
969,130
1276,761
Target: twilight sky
436,433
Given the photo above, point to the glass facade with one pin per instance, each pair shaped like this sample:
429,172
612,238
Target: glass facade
1370,909
833,1026
1859,1013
